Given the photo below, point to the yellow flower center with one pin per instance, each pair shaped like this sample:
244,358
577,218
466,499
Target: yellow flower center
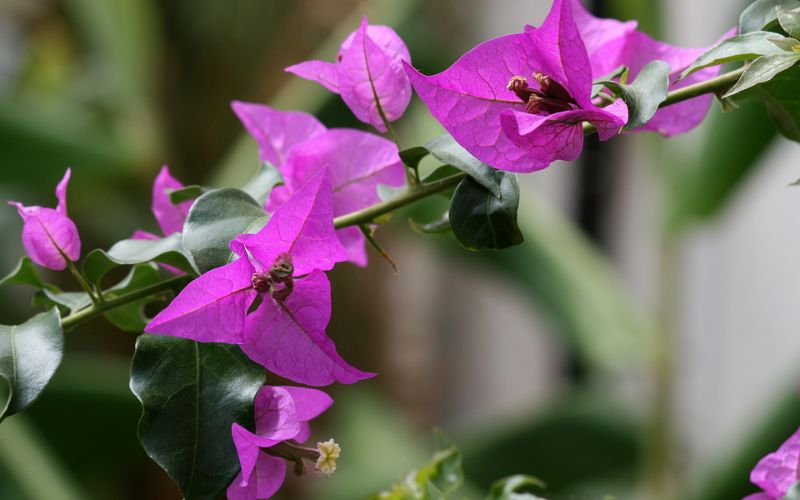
328,453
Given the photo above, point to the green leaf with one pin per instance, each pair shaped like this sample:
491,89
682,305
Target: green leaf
761,13
780,97
29,356
445,149
740,48
24,273
191,394
645,94
790,22
763,69
509,488
131,317
437,479
131,252
262,184
412,156
186,193
214,220
480,219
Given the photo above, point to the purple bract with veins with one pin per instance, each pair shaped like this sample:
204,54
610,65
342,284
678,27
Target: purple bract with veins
368,74
358,162
518,102
281,416
276,132
281,267
611,43
778,471
49,236
170,217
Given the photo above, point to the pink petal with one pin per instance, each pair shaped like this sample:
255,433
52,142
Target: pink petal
604,39
289,338
778,471
370,76
309,403
276,414
322,72
266,479
303,227
212,308
354,244
170,217
276,131
558,136
358,161
560,50
759,496
48,236
61,193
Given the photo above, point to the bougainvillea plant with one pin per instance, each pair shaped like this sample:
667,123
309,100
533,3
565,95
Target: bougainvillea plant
243,269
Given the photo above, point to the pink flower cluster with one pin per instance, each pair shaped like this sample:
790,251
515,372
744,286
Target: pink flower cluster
517,103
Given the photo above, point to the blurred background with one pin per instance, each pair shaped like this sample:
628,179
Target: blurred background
658,280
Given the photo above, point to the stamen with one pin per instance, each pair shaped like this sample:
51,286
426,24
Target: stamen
262,283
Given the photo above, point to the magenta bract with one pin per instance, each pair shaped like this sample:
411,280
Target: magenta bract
368,74
611,43
281,414
276,131
281,265
518,102
49,236
358,161
778,471
170,217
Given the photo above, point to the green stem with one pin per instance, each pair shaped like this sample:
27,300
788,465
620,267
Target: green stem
99,308
717,85
81,279
369,214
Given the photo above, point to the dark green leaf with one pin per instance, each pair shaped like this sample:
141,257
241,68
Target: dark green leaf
214,220
761,13
509,488
262,184
790,22
780,97
29,356
131,317
186,193
412,156
191,394
739,48
645,94
482,220
24,274
131,252
445,149
763,69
